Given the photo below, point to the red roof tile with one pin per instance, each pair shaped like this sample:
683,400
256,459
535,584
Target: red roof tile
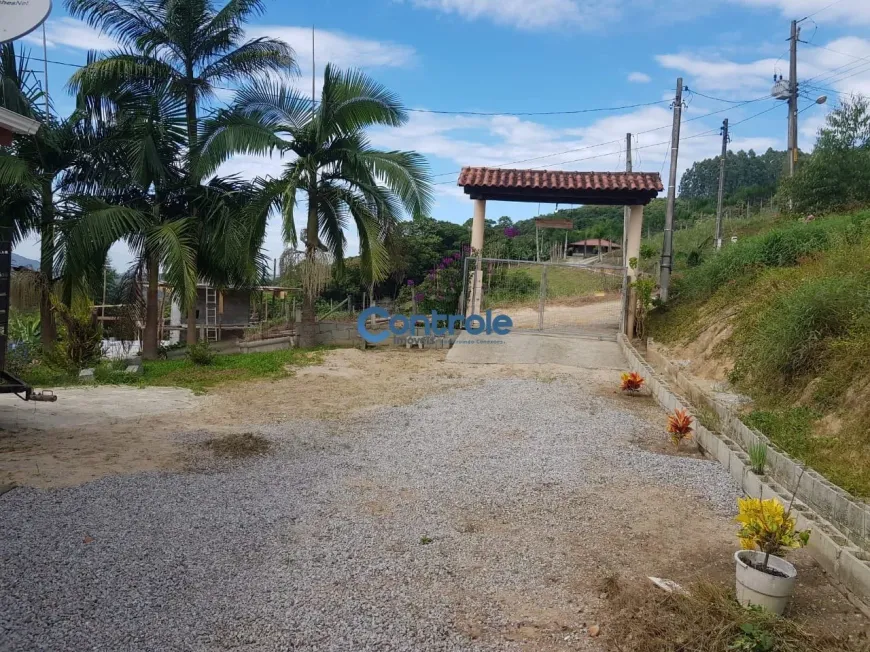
560,180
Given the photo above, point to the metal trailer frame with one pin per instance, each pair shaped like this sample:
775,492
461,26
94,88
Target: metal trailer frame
10,384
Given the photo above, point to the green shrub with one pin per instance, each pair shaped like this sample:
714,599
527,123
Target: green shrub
790,337
781,247
19,357
200,353
80,339
25,329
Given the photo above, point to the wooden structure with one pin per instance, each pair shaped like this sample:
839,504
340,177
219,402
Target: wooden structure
632,189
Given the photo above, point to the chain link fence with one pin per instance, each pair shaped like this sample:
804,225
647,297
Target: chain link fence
546,296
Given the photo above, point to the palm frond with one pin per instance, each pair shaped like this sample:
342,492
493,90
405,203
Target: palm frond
119,71
127,22
404,173
175,244
352,101
256,57
231,133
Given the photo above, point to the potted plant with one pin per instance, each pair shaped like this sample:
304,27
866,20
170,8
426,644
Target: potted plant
631,382
679,426
767,530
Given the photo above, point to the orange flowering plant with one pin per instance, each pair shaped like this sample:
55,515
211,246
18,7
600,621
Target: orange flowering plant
679,426
632,381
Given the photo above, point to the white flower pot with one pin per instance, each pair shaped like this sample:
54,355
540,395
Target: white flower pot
763,589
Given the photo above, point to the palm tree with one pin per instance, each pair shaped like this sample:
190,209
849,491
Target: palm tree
31,171
133,187
343,177
189,45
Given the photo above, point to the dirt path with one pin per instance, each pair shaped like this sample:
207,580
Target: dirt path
405,503
93,432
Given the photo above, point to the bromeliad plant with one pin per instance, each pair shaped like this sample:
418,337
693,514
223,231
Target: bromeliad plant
767,526
679,426
631,382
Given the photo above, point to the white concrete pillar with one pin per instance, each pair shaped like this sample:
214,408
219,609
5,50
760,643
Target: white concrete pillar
476,282
635,231
477,225
632,250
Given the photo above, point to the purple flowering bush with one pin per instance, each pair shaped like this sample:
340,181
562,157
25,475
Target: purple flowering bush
440,289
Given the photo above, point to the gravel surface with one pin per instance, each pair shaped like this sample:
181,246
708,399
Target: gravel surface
463,521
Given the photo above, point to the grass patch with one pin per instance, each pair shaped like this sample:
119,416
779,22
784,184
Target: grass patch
708,418
784,246
237,446
843,459
798,299
520,286
706,619
231,368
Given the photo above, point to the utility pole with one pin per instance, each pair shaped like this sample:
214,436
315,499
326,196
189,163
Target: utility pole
668,245
45,72
626,211
721,184
792,99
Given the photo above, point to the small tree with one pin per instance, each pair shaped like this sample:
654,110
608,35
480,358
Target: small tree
837,175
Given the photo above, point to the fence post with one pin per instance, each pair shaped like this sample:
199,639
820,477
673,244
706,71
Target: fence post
543,298
463,305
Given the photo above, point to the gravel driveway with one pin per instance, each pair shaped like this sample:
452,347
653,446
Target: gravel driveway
481,519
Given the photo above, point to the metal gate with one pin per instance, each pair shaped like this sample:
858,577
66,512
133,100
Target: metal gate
554,297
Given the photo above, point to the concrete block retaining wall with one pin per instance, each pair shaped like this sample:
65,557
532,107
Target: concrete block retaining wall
849,515
837,542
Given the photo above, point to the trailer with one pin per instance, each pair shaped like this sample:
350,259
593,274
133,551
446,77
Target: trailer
10,384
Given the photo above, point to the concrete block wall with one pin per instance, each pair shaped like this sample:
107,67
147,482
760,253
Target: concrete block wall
850,515
843,559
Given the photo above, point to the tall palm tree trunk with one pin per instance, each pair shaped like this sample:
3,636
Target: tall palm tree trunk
149,339
308,326
192,138
46,268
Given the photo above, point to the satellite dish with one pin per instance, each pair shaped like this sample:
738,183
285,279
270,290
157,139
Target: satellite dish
20,17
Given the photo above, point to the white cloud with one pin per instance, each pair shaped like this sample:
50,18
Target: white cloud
72,33
851,10
528,15
842,64
639,78
338,48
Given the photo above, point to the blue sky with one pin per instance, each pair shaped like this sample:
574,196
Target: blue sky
549,55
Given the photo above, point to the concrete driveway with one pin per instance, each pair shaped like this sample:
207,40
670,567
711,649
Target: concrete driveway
531,347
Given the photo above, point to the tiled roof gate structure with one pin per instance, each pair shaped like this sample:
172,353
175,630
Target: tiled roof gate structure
556,186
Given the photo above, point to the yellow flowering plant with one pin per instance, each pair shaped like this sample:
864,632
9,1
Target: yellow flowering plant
766,525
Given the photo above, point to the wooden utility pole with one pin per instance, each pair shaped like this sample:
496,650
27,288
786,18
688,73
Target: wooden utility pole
721,184
792,99
668,245
627,210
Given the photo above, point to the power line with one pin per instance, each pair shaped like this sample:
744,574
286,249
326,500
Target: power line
718,99
709,132
639,133
602,109
539,113
536,158
818,11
